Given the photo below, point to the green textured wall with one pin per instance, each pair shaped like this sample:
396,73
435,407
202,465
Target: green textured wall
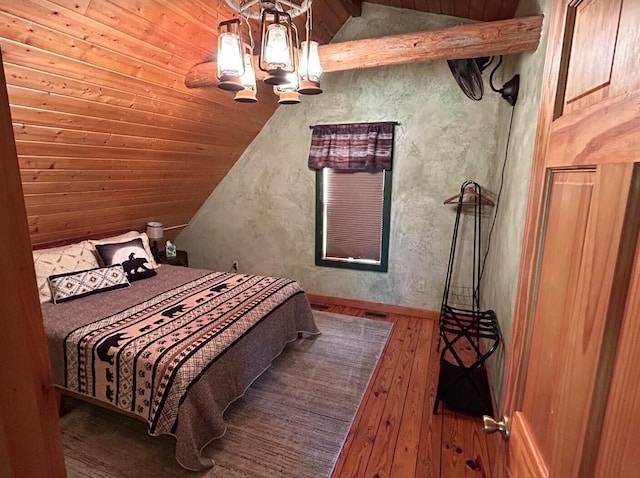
262,213
503,262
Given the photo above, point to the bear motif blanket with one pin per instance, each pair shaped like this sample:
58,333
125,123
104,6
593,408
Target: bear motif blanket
145,358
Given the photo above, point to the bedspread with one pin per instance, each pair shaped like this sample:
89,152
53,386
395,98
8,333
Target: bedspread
144,358
177,356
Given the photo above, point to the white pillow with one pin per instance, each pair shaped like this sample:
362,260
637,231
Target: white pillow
57,260
126,237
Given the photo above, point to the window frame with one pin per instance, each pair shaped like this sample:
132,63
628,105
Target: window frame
386,227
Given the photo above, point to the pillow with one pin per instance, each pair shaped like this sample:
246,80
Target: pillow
131,255
127,236
72,258
73,285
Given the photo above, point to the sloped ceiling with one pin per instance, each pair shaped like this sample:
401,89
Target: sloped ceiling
481,10
107,134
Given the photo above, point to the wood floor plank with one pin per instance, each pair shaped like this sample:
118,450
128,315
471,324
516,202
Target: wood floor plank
394,433
386,436
429,449
405,457
355,455
451,462
464,447
475,449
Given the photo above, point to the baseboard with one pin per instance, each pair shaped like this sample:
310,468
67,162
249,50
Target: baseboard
373,306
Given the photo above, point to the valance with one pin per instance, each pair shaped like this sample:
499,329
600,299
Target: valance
354,147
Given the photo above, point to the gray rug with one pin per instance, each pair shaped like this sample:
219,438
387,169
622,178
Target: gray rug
292,421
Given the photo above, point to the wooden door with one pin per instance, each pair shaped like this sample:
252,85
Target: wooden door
567,375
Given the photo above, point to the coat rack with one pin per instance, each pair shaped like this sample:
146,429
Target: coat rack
470,335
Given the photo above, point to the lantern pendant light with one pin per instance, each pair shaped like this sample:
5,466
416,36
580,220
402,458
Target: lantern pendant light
230,63
288,92
310,69
277,48
248,79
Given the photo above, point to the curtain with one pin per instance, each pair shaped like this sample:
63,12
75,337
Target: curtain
353,147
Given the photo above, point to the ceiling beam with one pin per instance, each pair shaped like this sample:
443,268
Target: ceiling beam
472,40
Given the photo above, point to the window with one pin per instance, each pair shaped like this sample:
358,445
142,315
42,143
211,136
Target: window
353,210
353,194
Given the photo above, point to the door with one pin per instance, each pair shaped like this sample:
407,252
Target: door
570,369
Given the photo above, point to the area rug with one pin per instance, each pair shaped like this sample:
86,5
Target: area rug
290,423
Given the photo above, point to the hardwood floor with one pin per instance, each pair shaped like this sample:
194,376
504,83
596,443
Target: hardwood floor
395,434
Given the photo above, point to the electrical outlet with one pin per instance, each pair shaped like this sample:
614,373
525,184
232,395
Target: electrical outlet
420,286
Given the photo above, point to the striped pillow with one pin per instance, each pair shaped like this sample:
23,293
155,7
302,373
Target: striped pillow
73,285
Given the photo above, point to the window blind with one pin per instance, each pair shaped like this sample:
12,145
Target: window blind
354,214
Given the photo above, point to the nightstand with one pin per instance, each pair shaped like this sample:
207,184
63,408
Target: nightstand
181,259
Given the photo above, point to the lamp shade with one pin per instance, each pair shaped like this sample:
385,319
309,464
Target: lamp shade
154,230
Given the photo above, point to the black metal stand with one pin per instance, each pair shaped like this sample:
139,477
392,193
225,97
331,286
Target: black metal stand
462,381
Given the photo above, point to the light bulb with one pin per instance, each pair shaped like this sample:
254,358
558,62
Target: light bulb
248,80
277,47
310,68
229,54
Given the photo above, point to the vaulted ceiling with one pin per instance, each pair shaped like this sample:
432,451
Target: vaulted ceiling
330,15
108,135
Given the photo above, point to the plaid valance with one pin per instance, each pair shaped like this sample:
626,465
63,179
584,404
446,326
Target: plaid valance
355,147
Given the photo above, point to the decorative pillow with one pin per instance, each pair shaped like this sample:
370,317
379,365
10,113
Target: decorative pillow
56,260
131,255
73,285
127,236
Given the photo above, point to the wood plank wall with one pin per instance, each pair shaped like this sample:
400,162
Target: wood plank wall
108,136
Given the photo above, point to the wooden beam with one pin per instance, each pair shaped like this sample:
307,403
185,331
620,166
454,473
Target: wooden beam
463,41
501,37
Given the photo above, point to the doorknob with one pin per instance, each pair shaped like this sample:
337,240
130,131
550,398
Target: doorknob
490,425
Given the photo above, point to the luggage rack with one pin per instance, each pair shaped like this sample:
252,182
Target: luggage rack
470,336
469,340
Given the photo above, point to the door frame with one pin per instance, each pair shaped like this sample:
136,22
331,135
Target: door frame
516,365
30,439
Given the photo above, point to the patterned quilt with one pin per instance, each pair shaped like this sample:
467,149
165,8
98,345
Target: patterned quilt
145,358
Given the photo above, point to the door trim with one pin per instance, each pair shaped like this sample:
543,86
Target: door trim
520,335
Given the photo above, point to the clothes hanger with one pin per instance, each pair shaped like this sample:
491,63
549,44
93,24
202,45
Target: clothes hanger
469,190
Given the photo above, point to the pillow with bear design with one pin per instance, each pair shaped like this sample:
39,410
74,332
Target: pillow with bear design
131,255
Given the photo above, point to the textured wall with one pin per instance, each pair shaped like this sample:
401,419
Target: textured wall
503,261
262,213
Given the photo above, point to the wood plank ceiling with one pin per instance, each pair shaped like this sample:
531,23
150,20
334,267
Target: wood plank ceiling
481,10
107,134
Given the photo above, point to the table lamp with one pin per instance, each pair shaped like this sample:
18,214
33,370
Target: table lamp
155,233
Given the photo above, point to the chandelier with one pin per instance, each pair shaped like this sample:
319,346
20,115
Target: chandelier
291,68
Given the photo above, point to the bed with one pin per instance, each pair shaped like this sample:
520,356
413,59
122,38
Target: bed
176,348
